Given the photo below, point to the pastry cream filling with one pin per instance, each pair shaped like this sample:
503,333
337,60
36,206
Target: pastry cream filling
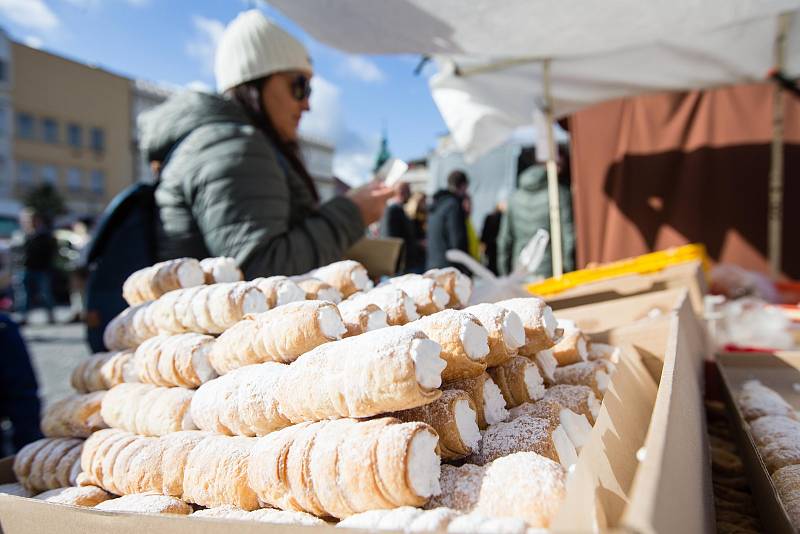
188,423
225,271
428,366
594,406
411,308
513,331
547,360
440,297
376,320
330,294
424,464
190,274
330,322
254,301
360,278
583,349
201,365
564,447
494,405
533,382
550,321
602,380
475,339
463,289
467,424
576,426
289,292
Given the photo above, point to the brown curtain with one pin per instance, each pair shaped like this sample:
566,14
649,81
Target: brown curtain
673,168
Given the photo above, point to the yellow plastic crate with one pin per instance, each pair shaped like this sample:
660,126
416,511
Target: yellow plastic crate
644,264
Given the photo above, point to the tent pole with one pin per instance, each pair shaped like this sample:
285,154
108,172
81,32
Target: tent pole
775,208
552,178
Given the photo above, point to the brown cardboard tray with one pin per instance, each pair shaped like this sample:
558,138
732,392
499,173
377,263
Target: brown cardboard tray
780,371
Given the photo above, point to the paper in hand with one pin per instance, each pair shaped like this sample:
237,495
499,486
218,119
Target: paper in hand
391,171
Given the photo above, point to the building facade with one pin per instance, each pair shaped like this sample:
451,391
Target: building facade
6,127
72,129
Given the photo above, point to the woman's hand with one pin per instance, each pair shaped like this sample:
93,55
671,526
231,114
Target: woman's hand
371,200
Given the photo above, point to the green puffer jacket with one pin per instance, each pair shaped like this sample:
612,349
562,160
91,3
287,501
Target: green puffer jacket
224,192
528,210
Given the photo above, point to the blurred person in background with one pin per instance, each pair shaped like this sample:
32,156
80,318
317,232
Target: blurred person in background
79,237
395,223
447,221
473,243
417,212
34,249
231,179
489,233
19,398
528,210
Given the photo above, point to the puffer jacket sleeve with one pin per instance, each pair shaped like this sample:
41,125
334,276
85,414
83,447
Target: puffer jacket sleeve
240,200
505,243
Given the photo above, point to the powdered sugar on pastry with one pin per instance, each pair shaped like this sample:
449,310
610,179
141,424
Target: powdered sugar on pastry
146,504
220,270
755,400
525,433
579,399
494,405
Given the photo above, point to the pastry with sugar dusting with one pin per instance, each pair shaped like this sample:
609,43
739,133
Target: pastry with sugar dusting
427,295
147,409
399,307
453,417
576,426
579,399
457,284
74,416
490,406
346,276
506,333
541,326
519,381
594,374
381,371
152,282
181,360
281,334
360,317
464,342
102,371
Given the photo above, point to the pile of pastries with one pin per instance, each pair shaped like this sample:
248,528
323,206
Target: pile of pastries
775,427
321,398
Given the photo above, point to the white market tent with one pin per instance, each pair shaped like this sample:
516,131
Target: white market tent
503,62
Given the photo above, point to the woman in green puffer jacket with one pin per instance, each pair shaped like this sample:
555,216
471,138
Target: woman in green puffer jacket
231,180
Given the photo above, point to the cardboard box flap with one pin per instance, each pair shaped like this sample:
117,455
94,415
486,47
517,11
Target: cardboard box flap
607,463
672,488
379,256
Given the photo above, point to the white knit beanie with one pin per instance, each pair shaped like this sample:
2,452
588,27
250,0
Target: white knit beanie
254,46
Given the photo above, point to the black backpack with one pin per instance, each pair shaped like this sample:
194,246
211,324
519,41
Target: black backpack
124,241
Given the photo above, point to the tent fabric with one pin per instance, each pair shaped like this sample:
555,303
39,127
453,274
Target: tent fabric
663,170
624,48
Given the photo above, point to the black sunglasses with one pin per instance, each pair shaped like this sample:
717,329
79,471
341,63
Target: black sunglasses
301,87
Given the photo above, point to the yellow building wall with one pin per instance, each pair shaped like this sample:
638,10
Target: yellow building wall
49,86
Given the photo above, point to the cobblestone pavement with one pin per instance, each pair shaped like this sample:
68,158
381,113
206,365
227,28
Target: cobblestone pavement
55,351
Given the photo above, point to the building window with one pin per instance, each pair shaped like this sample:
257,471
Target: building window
74,179
25,128
50,131
25,173
50,175
75,135
98,139
97,181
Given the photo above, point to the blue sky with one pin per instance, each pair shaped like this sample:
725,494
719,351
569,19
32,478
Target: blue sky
172,41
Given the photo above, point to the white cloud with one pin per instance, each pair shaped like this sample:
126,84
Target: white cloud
200,86
33,14
94,4
204,44
355,153
363,69
34,41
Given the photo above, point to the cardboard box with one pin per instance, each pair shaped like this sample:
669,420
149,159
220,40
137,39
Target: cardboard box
688,275
780,372
379,256
610,486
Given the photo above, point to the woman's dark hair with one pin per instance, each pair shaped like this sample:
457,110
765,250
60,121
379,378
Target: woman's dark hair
248,95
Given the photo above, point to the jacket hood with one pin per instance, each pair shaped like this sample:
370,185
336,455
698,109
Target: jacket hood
533,178
165,125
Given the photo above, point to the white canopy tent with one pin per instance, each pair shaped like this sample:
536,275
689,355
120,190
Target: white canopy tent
500,63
